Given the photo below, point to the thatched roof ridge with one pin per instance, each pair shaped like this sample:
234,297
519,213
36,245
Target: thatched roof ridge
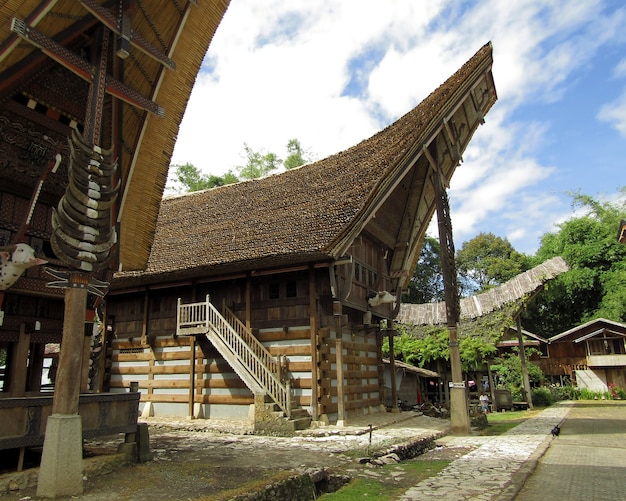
294,217
494,299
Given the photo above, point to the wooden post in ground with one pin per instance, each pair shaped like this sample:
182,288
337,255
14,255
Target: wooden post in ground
192,371
341,409
19,364
392,370
459,412
314,347
61,471
528,396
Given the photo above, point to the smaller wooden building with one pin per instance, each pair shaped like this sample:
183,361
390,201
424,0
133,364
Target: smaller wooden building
413,384
592,355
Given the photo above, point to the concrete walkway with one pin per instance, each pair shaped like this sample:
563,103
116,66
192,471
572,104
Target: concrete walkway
586,462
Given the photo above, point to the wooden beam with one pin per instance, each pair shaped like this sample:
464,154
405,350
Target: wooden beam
116,25
32,20
82,68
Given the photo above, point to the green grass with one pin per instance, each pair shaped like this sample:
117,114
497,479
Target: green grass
386,488
501,422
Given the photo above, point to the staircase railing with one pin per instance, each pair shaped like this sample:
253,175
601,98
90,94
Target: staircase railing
241,345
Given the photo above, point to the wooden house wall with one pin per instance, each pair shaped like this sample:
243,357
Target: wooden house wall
563,359
362,371
144,347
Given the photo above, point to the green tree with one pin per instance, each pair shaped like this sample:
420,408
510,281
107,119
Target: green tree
486,261
189,178
594,285
426,284
258,163
296,155
508,372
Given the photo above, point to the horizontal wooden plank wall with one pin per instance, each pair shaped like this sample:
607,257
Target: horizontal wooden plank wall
362,372
162,370
294,343
161,367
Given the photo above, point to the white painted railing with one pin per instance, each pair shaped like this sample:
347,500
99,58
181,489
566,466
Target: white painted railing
241,346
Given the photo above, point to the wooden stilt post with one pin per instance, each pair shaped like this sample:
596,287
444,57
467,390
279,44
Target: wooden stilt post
192,373
392,370
19,364
341,405
314,347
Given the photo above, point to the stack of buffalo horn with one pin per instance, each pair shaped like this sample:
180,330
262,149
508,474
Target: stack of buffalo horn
82,231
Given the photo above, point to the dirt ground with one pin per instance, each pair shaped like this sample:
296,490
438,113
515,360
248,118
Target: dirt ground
205,459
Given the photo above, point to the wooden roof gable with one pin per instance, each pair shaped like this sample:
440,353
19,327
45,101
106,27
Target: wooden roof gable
315,212
591,329
46,53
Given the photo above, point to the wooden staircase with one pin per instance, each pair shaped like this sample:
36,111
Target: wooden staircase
250,360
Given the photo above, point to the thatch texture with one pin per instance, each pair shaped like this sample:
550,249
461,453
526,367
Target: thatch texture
494,299
298,216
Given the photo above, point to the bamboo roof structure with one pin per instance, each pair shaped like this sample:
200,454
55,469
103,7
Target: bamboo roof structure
45,46
314,213
524,284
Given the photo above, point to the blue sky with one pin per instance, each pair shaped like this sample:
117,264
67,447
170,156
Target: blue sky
333,73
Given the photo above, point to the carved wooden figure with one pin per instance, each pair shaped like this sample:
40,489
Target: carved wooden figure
14,260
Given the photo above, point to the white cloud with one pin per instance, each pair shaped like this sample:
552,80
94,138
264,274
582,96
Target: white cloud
615,114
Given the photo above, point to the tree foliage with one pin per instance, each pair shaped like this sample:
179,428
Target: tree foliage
296,155
189,178
258,163
508,372
594,285
487,260
426,283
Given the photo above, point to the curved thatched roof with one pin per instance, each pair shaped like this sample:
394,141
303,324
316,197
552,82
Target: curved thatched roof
177,31
524,284
302,215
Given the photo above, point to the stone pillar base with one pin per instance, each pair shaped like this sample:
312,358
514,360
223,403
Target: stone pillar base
459,415
61,471
148,410
198,411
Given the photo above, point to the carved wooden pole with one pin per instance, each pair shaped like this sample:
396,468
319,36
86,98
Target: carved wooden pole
459,415
61,462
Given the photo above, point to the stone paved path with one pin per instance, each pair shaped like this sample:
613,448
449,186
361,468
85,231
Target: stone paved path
494,469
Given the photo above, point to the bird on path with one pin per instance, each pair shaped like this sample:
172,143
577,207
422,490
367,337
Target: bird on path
556,431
